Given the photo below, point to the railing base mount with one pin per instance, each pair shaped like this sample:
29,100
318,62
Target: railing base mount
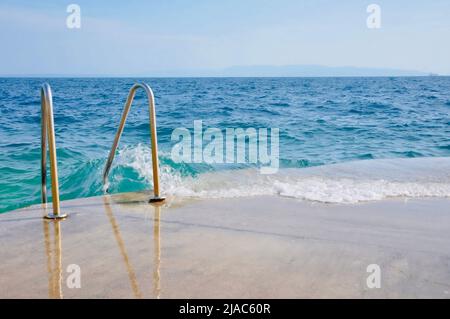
156,199
53,216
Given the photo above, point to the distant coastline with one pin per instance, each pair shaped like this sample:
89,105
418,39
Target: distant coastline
252,71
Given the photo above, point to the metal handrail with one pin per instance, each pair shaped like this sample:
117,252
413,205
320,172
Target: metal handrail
154,140
48,133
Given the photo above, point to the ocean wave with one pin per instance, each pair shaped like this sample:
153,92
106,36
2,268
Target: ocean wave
345,183
351,182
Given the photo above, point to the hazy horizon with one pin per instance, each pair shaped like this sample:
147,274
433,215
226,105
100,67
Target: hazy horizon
256,71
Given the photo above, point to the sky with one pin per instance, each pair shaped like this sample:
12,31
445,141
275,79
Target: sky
145,38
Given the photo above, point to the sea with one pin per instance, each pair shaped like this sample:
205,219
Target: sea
341,140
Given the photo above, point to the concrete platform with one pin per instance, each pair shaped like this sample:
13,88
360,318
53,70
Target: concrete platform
257,247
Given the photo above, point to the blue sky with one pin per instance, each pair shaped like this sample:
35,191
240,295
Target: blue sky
147,37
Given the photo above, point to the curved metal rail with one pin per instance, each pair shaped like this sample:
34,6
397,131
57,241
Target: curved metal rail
48,133
154,140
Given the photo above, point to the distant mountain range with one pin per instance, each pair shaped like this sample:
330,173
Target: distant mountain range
292,71
314,70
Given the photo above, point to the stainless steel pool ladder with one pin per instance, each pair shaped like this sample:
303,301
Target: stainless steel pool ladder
48,134
154,141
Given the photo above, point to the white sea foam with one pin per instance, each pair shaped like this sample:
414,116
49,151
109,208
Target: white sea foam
349,182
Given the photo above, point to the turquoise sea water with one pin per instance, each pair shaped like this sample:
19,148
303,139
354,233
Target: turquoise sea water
388,136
